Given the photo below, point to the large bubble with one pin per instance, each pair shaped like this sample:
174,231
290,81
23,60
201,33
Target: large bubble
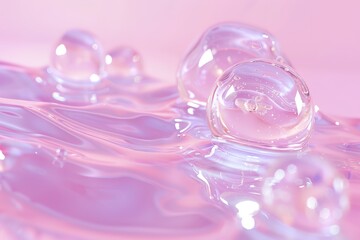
261,103
219,48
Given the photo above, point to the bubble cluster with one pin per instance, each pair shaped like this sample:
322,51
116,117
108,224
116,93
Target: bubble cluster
78,58
219,48
307,193
261,103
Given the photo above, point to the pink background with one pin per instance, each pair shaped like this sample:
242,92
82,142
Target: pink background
321,38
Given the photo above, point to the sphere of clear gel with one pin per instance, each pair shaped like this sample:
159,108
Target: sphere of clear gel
123,61
308,194
219,48
261,103
77,57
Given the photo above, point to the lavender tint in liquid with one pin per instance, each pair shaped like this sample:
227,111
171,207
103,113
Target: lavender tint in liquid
91,148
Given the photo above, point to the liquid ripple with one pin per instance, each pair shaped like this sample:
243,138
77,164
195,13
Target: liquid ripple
118,155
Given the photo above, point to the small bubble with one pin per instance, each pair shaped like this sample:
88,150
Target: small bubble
246,114
307,193
123,62
77,57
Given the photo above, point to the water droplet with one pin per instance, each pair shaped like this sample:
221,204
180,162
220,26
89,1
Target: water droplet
259,103
123,62
77,58
308,194
219,48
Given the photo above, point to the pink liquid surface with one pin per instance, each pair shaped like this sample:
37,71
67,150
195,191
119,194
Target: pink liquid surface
127,158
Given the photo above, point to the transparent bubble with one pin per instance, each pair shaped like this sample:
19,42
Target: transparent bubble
77,57
219,48
123,61
308,194
261,103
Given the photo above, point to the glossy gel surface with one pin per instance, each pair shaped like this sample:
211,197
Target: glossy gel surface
125,158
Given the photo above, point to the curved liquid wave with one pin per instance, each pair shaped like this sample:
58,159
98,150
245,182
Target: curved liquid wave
124,157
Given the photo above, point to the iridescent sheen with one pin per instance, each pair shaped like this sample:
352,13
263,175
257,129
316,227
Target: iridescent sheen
306,193
93,152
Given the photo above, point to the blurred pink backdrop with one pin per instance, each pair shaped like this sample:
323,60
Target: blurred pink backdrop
321,38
